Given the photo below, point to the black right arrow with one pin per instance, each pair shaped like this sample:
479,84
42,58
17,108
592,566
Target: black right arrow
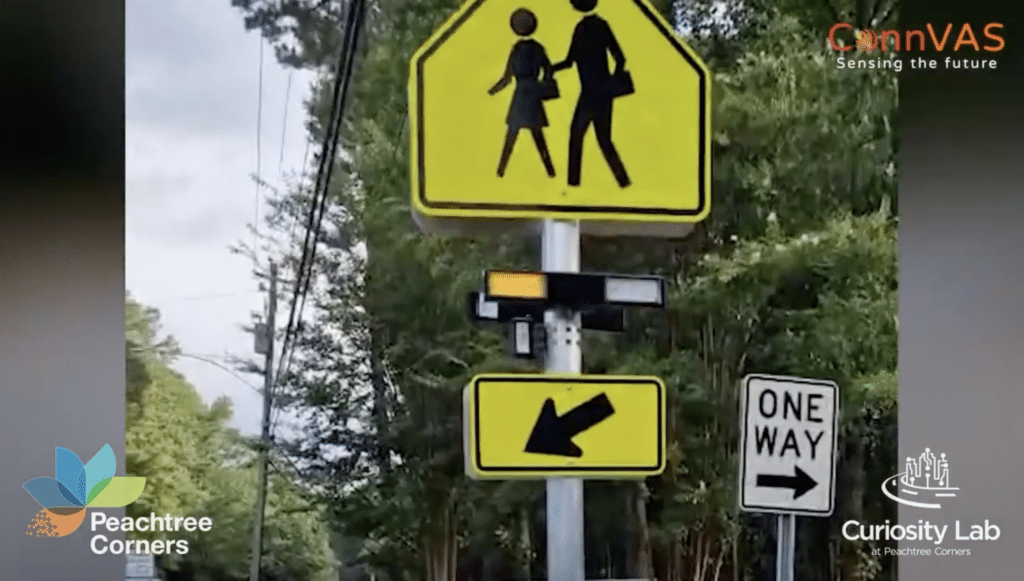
800,482
553,434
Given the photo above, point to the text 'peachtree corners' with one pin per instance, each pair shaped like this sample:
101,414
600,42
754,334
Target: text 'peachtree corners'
102,545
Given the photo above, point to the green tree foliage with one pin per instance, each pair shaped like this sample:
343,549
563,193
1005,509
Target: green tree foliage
298,544
171,435
795,273
197,466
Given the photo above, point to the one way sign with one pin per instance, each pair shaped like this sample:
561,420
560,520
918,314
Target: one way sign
789,445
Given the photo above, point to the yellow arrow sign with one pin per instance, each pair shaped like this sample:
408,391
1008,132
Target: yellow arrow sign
578,109
583,426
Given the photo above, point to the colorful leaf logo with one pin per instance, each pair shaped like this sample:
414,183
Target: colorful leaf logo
76,486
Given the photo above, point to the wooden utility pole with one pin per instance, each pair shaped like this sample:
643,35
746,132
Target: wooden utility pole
267,350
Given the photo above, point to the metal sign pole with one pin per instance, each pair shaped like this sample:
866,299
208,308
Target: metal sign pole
791,540
780,551
785,560
560,249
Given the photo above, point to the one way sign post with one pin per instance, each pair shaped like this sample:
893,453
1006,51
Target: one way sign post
789,428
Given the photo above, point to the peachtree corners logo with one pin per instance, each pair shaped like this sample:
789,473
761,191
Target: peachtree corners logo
923,484
76,487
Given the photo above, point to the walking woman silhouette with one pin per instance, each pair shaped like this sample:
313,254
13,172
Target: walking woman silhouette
527,61
592,41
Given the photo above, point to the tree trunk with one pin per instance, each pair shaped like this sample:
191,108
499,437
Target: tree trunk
700,558
854,487
440,546
677,571
670,561
658,558
736,560
525,553
641,562
709,556
382,455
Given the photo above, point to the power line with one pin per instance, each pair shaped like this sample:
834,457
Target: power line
204,359
324,170
346,66
222,367
259,152
302,181
314,219
280,161
355,20
394,155
284,124
354,25
212,296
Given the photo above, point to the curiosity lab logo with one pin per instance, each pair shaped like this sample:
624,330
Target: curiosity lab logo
77,486
924,483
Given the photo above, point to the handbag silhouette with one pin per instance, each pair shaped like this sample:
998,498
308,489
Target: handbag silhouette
549,89
620,84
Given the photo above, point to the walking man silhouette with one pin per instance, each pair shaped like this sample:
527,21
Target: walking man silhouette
592,41
527,61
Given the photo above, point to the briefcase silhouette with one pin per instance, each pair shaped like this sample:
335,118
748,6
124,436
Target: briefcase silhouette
621,84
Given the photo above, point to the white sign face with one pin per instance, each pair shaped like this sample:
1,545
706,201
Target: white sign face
789,445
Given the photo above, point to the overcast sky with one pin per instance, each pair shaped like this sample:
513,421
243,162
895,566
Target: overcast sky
192,92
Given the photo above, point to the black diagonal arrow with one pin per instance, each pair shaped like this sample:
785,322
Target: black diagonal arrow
553,434
800,482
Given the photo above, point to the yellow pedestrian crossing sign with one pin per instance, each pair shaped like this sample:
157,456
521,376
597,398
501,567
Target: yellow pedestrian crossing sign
591,110
523,426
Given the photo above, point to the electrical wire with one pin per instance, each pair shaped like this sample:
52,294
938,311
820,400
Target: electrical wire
355,19
326,165
259,153
205,359
306,267
212,296
280,160
301,269
284,125
223,368
302,181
